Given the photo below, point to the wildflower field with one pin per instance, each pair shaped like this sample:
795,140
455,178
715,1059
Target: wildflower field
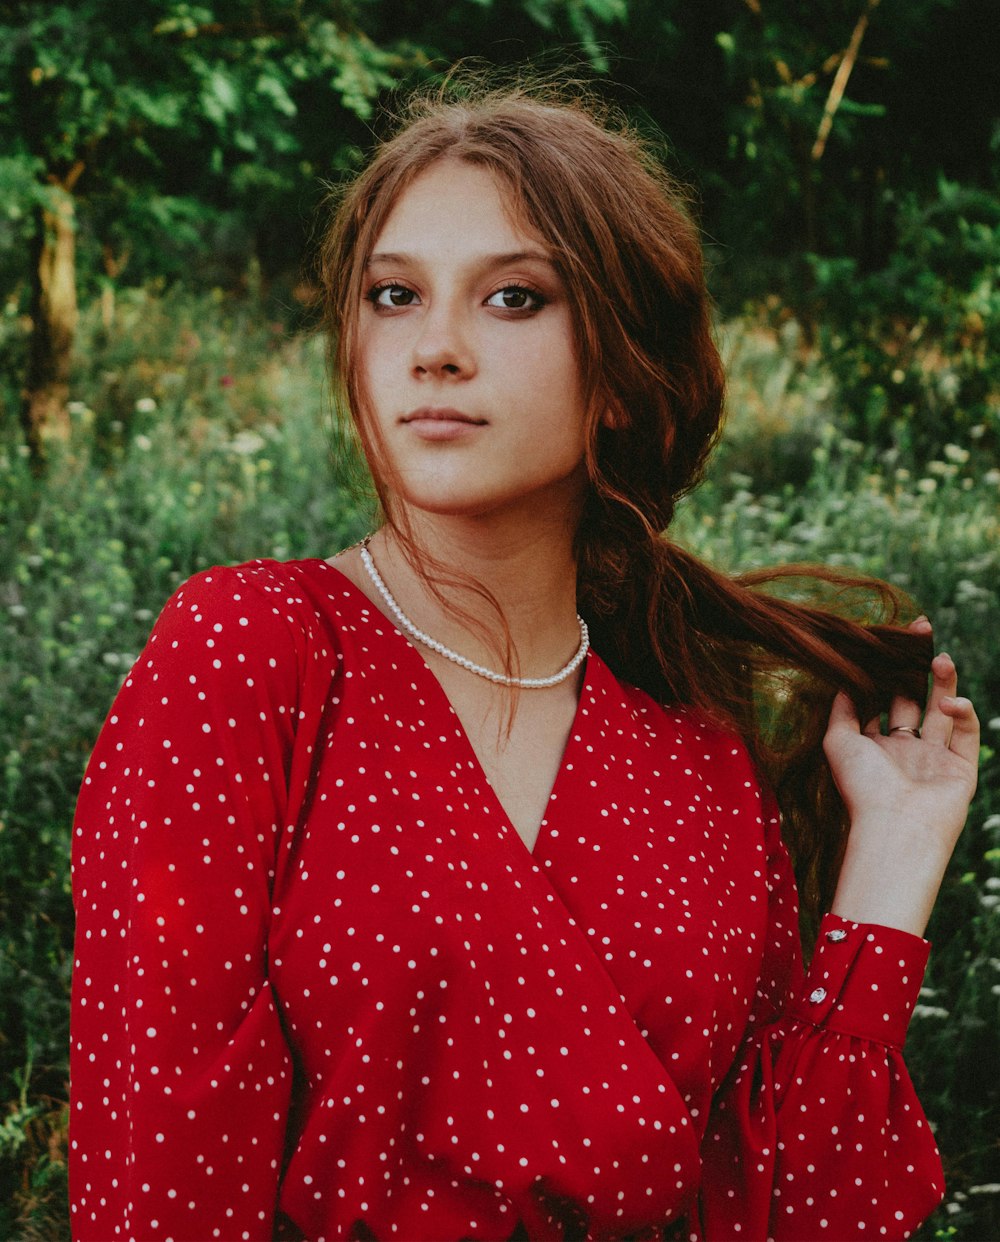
202,434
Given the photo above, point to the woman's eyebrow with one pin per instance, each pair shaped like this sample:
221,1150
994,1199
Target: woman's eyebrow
488,260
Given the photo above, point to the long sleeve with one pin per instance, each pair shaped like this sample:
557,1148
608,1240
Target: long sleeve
817,1132
287,855
180,1072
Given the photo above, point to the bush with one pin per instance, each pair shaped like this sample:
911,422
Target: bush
937,535
914,347
199,436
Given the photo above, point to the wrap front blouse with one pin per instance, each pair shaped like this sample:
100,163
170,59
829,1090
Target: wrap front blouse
323,990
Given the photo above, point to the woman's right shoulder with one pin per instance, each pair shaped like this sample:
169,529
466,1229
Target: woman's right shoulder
262,592
262,614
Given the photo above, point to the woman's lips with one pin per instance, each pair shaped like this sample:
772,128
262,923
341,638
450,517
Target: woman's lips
442,423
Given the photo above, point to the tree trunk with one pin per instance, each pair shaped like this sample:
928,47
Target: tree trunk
54,320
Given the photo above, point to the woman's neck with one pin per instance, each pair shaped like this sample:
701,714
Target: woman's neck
529,569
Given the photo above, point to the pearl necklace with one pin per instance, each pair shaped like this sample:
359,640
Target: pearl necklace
525,683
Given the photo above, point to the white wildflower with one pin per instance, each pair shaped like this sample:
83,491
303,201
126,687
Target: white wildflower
966,591
948,385
145,405
143,442
955,453
246,443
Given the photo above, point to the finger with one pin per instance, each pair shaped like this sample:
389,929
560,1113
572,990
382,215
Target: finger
965,730
904,713
843,717
937,724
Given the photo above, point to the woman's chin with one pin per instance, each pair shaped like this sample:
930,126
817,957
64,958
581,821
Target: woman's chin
480,498
457,505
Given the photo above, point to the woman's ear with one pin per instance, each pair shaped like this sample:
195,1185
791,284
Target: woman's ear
612,418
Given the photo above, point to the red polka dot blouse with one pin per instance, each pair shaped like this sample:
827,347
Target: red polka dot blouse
323,990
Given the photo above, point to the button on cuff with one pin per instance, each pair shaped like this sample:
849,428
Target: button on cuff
863,980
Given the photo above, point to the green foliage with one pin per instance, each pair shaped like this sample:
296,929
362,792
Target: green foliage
740,90
183,114
201,435
936,534
190,120
915,346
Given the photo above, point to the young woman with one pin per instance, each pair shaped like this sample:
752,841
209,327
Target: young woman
414,904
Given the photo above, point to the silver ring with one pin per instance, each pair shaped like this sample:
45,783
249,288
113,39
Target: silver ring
904,729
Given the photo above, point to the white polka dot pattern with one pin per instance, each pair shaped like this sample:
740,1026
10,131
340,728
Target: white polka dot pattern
322,990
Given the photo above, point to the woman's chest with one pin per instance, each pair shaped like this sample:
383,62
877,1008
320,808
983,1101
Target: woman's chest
406,891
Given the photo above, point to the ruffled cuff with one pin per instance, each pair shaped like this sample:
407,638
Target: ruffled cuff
864,980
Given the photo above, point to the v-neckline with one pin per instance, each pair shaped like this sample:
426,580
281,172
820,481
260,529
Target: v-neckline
544,827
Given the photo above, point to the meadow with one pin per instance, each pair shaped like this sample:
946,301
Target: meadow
201,433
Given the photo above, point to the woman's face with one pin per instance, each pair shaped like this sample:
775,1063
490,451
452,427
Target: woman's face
467,354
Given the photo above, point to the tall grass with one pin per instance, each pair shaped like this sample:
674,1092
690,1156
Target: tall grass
202,435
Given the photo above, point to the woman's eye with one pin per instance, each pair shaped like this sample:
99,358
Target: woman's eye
393,296
516,297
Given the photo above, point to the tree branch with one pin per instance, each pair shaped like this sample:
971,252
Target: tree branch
69,178
840,81
238,30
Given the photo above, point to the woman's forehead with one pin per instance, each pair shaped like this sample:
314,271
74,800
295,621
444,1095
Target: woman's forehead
456,205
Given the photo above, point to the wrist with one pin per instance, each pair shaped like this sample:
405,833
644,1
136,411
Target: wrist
890,875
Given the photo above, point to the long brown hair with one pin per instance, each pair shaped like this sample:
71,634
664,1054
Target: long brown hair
750,659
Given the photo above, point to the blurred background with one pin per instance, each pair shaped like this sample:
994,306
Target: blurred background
163,405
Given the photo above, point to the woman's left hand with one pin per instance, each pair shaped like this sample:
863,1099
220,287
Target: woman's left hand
907,793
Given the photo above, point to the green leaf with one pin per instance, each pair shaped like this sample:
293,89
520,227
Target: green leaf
273,89
851,107
219,97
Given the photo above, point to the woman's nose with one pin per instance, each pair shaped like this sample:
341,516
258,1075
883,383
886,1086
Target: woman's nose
442,348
